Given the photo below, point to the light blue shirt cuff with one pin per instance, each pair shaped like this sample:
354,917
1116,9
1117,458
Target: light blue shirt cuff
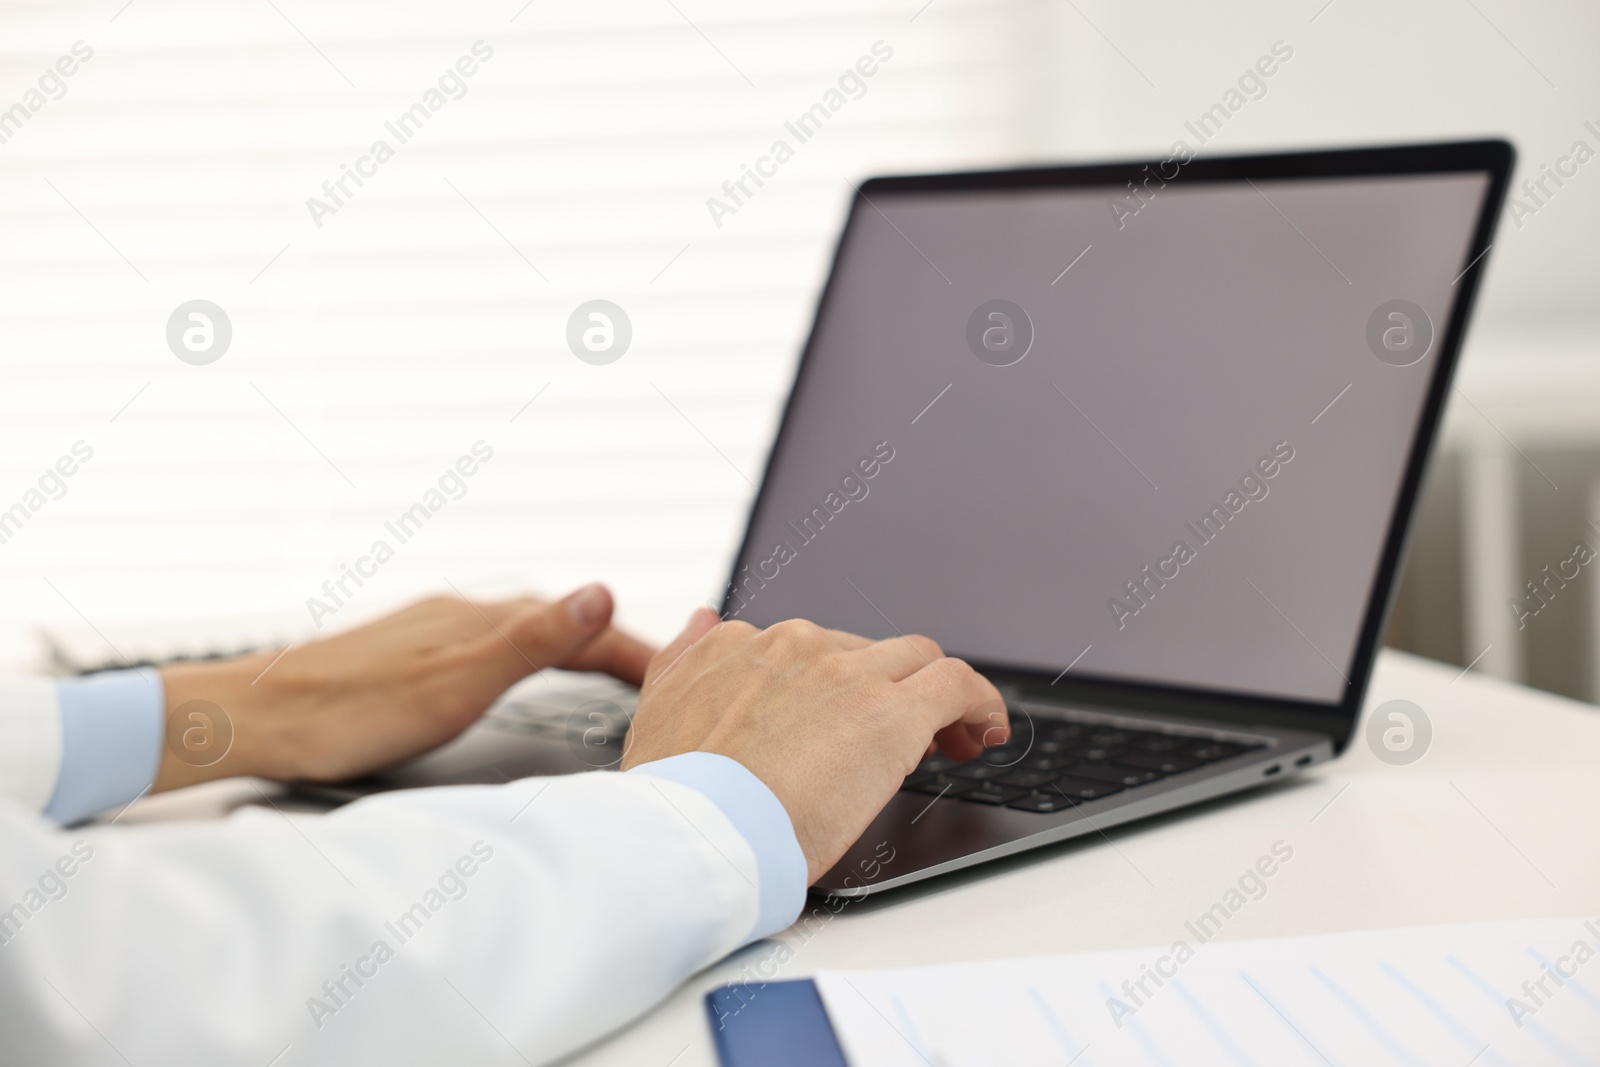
760,819
111,729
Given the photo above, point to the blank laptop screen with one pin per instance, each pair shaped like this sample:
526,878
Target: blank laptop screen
1157,439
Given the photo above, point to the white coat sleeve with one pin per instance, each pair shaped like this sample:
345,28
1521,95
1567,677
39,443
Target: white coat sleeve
477,924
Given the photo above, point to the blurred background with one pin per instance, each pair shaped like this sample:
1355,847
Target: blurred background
378,338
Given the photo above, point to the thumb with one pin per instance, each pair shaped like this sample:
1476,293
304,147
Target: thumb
546,635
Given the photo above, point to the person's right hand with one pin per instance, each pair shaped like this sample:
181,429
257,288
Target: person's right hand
830,722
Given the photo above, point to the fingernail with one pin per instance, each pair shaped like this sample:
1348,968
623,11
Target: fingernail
588,605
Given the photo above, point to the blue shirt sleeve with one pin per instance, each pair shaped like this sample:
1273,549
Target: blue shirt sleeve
111,729
760,819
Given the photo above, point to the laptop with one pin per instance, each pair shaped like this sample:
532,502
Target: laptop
1140,441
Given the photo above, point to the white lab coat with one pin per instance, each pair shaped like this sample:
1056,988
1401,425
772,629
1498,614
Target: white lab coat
478,924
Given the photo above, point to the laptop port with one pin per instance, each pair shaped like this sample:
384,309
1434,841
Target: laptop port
1302,761
1270,771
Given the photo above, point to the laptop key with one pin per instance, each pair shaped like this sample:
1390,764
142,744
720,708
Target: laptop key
1085,788
992,793
940,785
1027,778
977,771
1169,763
1101,771
1159,743
1043,803
1143,774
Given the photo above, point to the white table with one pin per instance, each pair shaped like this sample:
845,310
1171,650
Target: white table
1495,821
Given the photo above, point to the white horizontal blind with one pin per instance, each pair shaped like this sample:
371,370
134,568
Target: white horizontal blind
429,309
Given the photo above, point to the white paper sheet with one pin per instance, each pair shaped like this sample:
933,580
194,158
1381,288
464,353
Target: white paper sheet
1484,994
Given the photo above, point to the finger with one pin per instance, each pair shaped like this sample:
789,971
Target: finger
957,742
701,622
968,740
899,658
616,653
948,691
542,636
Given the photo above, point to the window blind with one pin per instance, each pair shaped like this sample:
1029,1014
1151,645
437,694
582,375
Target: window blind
397,320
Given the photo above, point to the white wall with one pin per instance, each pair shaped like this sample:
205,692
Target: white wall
1369,72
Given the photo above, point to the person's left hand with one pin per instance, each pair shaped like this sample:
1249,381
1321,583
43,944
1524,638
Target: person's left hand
381,693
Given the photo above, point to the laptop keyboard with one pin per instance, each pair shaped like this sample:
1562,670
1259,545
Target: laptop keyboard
1068,763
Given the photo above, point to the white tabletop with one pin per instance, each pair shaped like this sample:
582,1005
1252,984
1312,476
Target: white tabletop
1494,821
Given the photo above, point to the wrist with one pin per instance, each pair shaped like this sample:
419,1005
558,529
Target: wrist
210,732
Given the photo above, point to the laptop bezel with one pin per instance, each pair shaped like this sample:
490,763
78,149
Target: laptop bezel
1493,158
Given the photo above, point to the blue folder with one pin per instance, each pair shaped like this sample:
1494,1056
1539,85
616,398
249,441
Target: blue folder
772,1024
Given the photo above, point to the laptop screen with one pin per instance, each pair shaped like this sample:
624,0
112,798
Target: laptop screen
1153,436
